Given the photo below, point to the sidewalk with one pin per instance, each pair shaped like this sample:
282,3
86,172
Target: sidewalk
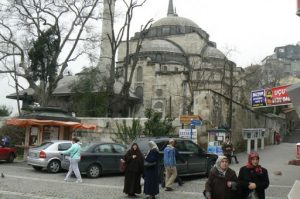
275,158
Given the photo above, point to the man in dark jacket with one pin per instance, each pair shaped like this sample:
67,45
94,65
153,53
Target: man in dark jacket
253,177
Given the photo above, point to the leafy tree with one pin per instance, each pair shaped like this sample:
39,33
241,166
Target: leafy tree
127,134
155,125
5,111
88,98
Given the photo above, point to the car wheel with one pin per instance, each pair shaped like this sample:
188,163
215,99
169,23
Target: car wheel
10,158
93,171
53,166
210,165
37,168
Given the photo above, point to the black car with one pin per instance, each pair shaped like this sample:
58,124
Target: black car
99,158
198,161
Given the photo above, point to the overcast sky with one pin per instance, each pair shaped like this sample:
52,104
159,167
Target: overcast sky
251,29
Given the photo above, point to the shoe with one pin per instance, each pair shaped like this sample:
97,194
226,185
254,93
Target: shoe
66,180
132,195
78,181
169,189
237,162
180,184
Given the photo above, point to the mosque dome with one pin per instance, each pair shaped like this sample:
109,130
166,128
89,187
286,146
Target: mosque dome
159,45
211,52
174,20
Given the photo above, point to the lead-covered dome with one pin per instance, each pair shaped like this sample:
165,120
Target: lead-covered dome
159,45
175,21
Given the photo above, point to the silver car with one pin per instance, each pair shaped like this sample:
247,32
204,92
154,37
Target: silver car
48,155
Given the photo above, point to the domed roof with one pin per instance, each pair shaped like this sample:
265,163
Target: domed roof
211,52
159,45
174,20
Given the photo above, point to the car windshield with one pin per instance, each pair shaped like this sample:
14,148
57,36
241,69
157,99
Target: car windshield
43,145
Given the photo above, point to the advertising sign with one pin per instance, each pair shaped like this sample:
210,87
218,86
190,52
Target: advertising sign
187,119
258,98
270,97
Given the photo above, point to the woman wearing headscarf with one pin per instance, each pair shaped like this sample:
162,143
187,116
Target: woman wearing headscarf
253,177
151,184
134,161
222,181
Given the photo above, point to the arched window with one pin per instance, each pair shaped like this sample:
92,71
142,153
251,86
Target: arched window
139,74
158,106
139,92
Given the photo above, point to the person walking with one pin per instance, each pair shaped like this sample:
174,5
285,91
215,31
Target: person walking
151,179
134,161
170,164
253,178
228,150
277,137
74,153
222,181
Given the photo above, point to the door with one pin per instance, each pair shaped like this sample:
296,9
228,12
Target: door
196,161
103,153
118,153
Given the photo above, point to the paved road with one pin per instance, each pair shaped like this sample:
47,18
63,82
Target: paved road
21,181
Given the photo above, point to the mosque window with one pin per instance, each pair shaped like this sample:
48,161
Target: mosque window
139,74
198,75
139,92
166,30
158,57
159,92
152,32
165,68
173,30
158,105
159,32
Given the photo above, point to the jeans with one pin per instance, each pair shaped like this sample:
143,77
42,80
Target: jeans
171,174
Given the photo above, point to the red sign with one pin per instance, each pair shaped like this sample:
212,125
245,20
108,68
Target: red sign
277,96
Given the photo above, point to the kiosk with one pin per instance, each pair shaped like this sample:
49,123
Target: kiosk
216,137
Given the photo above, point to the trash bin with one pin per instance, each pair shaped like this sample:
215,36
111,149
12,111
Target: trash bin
298,150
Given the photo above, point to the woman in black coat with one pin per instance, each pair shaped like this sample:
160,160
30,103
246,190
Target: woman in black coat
253,177
134,161
151,184
222,181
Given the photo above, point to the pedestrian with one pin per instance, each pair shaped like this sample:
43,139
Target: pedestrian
228,150
170,164
180,158
134,161
253,178
277,137
222,181
151,179
74,153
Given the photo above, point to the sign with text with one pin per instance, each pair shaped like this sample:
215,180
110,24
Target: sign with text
276,96
186,133
186,119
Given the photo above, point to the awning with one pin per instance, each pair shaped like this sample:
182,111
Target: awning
33,122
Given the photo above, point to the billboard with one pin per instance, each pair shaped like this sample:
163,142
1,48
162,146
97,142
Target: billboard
276,96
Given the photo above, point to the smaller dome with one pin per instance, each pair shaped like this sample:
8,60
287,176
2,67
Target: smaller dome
211,52
159,45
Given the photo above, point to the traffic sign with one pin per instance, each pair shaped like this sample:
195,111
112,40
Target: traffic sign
196,122
186,119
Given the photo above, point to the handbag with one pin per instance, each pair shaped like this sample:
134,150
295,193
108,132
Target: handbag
149,164
252,195
122,166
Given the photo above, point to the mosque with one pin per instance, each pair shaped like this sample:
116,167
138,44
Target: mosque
180,71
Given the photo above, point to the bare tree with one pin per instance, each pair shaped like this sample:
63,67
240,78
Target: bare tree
115,39
25,22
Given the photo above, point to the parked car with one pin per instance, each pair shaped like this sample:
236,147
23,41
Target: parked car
47,155
99,158
7,153
199,162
